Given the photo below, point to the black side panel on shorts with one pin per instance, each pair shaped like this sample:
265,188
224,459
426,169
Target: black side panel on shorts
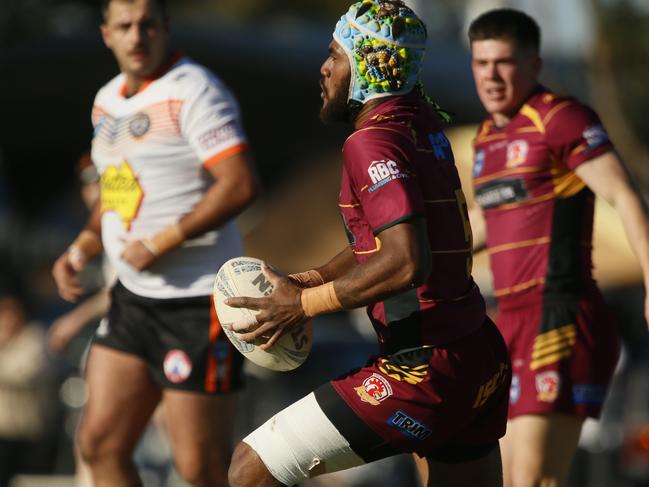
404,321
365,442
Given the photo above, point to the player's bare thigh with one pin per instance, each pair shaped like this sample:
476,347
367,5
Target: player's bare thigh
201,427
121,398
538,449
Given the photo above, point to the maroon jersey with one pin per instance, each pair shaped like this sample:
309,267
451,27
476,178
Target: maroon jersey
398,166
539,214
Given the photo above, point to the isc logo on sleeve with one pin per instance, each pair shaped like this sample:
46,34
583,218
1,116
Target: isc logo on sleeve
382,172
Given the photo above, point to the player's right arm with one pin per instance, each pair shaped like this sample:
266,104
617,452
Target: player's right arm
333,269
84,248
478,227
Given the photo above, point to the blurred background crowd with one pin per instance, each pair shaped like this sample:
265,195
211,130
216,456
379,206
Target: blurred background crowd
52,62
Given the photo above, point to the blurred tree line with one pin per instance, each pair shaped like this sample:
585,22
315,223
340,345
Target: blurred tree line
620,76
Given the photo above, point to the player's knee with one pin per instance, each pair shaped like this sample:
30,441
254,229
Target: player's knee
243,467
93,443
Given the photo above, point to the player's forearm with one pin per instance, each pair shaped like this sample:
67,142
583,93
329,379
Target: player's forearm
478,228
338,266
404,262
635,219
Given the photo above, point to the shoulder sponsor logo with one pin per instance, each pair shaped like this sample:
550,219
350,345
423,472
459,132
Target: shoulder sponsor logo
217,136
595,135
441,147
501,192
515,389
382,172
374,390
409,426
548,385
517,153
139,125
177,366
478,163
588,393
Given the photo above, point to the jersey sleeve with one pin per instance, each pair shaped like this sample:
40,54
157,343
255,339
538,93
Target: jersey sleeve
210,122
382,178
576,135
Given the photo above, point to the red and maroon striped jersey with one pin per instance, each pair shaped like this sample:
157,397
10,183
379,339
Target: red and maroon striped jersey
539,214
398,166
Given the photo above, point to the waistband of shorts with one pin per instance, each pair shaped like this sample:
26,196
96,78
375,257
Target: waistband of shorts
121,291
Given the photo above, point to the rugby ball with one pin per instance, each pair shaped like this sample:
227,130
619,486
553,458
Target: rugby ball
242,276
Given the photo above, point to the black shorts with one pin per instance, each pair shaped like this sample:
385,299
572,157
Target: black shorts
179,338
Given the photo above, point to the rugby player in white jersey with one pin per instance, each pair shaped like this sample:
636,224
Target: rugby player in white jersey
171,153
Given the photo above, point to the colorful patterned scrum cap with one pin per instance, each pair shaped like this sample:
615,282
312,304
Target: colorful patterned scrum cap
385,42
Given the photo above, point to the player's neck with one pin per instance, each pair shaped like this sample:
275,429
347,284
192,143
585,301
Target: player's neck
365,111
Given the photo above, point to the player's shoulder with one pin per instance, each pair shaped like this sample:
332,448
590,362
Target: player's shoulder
555,107
111,90
189,77
377,134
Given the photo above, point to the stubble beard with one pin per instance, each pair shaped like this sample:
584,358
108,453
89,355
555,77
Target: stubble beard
335,111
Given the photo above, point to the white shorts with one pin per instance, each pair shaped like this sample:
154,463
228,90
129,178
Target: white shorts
300,442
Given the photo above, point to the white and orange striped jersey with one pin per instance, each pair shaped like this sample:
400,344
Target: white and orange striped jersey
152,150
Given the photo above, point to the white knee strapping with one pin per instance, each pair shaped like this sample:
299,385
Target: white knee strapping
298,439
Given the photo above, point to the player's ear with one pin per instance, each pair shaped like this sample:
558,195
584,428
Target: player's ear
105,35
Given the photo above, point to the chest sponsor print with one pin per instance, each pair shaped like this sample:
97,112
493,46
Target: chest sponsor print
478,163
382,172
121,192
374,389
501,192
441,147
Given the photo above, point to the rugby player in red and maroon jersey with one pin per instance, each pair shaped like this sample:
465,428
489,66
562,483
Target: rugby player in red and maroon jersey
540,158
439,387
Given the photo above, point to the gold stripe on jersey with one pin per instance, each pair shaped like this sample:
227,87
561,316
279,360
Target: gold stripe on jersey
554,110
411,375
456,251
524,130
378,128
566,182
519,287
553,345
518,245
534,116
451,200
508,172
377,242
349,205
531,201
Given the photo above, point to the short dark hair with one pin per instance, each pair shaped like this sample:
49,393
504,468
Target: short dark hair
509,24
106,3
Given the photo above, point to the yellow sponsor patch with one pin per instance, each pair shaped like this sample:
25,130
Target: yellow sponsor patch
121,192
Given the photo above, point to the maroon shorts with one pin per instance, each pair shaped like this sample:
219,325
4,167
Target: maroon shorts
563,354
445,402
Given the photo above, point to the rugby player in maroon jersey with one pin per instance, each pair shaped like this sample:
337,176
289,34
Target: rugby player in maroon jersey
439,387
540,159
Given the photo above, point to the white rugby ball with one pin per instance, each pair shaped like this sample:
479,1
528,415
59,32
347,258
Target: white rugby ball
242,276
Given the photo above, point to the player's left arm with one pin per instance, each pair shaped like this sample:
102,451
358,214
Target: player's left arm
233,189
403,262
607,176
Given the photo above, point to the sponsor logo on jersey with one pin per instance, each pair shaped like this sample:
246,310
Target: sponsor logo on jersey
588,393
478,163
410,366
121,192
177,366
488,388
548,384
501,192
139,125
382,172
517,153
410,426
218,136
595,135
441,147
515,389
374,390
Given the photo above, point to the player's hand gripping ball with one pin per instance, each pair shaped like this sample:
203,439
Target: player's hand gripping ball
243,276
